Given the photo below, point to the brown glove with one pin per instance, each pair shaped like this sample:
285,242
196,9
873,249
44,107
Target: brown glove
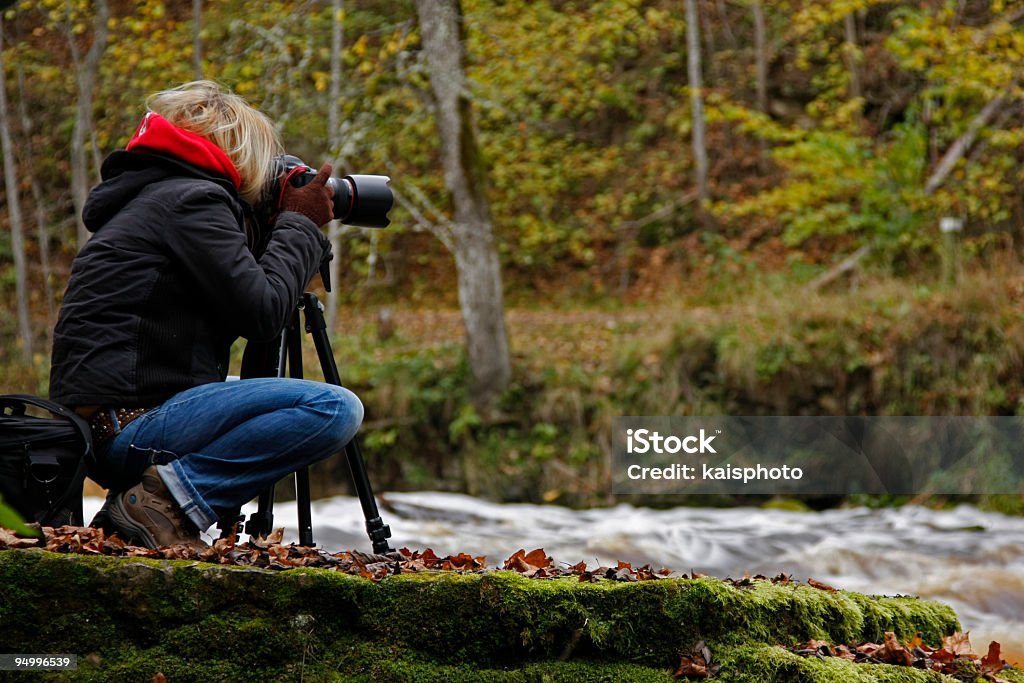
314,200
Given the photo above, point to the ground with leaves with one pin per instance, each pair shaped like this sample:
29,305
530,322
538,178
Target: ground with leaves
292,613
954,657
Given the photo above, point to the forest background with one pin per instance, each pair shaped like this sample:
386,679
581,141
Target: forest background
804,207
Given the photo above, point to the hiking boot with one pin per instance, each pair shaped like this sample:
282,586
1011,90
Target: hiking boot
148,514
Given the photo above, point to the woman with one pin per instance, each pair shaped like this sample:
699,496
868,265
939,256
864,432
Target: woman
178,268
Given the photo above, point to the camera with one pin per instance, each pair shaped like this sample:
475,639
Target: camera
362,201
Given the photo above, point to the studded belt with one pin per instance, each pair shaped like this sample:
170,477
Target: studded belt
106,423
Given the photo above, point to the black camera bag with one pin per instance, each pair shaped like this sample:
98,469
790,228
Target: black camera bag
43,460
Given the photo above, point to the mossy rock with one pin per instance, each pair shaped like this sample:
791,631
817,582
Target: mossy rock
128,619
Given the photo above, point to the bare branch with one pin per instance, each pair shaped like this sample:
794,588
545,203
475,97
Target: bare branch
963,143
442,228
844,266
658,214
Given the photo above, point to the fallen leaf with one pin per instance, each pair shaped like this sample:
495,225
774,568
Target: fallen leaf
892,652
538,558
958,644
8,539
698,664
692,667
529,563
820,586
992,662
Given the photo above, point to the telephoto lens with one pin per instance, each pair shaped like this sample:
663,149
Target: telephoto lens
362,201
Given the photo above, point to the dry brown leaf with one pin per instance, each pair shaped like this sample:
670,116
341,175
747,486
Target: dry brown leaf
992,662
916,641
692,667
959,644
8,539
892,652
699,664
538,558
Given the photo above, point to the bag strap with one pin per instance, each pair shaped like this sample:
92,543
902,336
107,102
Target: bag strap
16,401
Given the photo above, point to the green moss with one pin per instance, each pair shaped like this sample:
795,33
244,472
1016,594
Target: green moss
776,665
128,619
788,504
905,616
1013,675
554,672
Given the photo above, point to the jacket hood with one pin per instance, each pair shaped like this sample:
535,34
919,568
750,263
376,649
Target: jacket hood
124,174
157,135
158,150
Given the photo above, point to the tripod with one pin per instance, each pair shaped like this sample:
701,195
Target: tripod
290,360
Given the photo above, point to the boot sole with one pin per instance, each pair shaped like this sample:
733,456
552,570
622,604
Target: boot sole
123,523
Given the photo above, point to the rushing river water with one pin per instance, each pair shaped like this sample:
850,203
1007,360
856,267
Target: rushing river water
969,559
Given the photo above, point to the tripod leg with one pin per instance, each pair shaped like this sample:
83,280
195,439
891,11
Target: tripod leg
302,497
376,529
302,502
231,524
261,522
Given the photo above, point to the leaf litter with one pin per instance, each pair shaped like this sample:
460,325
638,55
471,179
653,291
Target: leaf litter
954,657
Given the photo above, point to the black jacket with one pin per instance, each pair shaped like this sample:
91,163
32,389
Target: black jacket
168,282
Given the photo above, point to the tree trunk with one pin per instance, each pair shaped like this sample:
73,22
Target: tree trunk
850,54
476,257
723,18
700,151
14,213
83,130
761,55
42,233
334,144
197,38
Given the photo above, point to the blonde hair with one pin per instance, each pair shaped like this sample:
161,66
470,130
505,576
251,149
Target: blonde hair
245,134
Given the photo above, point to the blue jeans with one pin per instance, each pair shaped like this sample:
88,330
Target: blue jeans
225,443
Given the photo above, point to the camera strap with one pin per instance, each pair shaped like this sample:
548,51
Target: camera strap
286,181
